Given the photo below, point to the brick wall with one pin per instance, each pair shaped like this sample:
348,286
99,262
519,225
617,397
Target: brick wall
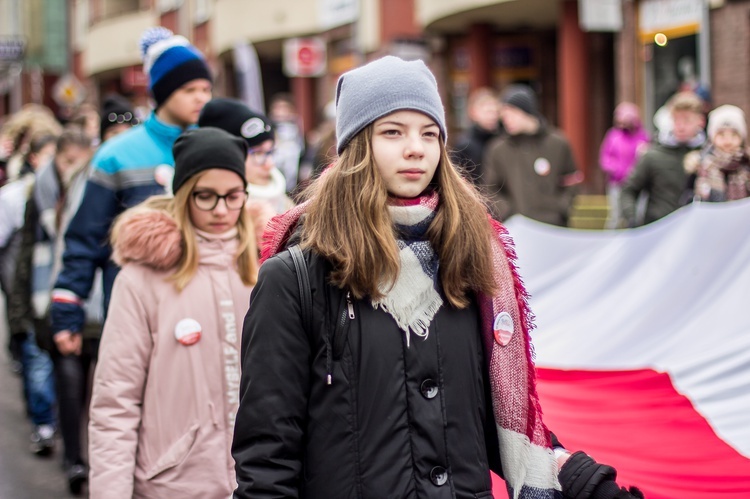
730,55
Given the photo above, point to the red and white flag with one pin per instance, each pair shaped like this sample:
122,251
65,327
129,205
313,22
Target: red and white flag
643,346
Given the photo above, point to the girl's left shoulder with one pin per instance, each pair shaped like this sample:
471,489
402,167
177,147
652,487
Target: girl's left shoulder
148,237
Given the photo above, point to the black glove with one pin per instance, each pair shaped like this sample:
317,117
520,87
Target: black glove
583,478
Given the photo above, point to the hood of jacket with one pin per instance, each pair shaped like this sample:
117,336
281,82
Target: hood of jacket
149,237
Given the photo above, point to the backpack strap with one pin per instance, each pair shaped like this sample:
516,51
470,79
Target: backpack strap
303,279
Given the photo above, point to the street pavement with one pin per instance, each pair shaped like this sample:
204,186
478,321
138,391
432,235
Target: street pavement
22,474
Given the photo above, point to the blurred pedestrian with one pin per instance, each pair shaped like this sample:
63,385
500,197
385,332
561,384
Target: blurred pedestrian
125,170
29,304
13,197
290,143
266,186
660,172
379,223
30,121
33,364
529,170
117,116
484,114
622,145
721,170
166,388
320,150
88,118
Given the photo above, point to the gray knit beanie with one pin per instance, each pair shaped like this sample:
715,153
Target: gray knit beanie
380,88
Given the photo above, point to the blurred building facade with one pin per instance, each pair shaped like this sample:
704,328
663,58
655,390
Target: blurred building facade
581,56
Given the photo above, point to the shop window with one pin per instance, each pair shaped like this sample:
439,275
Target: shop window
675,67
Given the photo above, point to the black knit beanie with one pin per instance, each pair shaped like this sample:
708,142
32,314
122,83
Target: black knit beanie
235,117
116,110
200,149
522,97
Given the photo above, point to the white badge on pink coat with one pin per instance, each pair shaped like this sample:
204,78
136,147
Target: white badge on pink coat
503,328
188,331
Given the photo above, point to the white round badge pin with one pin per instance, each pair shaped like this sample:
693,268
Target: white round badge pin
188,331
503,328
542,166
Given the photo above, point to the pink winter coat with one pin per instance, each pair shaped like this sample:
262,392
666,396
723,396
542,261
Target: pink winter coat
162,411
619,152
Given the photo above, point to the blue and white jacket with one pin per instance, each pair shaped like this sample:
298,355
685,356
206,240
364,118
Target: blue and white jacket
125,170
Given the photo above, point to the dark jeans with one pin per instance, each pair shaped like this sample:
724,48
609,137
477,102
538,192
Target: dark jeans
38,382
72,373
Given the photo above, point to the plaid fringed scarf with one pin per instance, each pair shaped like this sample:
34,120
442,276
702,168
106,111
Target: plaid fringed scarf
414,299
529,466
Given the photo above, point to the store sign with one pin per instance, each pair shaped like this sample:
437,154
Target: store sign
305,57
332,13
600,15
659,15
68,91
12,48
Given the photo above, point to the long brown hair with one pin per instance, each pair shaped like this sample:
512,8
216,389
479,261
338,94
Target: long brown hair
187,265
348,223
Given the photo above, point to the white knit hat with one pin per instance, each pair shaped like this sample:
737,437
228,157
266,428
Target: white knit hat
727,117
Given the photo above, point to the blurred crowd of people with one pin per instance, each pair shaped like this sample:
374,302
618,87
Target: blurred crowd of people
527,167
167,199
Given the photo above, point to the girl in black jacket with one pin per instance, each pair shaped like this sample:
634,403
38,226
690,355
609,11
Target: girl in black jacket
413,377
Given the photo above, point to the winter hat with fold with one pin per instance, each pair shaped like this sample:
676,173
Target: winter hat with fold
727,116
236,118
381,87
170,61
200,149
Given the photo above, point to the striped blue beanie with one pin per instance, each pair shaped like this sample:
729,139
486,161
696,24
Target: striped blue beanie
170,61
382,87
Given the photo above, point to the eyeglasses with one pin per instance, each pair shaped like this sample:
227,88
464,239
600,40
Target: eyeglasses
261,157
207,200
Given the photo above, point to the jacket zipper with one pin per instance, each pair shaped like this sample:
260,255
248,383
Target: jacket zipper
350,305
343,326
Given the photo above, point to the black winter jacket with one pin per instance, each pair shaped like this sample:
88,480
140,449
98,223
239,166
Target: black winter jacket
395,422
469,151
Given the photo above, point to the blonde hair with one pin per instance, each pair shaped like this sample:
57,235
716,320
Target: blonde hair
349,224
187,265
686,101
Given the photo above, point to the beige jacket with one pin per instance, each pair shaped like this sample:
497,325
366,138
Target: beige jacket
162,410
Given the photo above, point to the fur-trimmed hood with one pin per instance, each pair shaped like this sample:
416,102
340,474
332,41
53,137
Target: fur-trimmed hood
148,237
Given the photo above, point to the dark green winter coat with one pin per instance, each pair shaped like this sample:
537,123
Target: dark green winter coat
660,174
532,175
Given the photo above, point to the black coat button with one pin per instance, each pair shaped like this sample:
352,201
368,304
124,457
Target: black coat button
429,388
439,475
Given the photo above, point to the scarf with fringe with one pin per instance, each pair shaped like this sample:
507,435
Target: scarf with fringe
414,298
529,466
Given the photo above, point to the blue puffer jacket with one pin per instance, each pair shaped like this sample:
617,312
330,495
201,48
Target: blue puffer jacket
125,171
